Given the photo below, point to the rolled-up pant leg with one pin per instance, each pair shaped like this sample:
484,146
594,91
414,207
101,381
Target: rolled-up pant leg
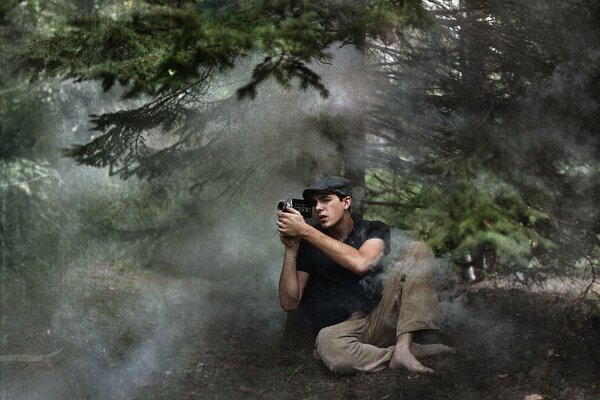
341,350
409,303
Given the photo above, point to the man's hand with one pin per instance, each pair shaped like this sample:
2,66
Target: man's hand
291,224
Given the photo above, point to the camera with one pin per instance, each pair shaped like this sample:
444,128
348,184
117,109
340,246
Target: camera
303,206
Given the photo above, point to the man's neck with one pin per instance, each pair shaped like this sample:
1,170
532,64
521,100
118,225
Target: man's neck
342,229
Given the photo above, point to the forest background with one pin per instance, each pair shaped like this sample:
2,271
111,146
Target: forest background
158,136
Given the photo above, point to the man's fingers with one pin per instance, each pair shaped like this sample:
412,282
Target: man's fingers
286,218
282,216
292,211
282,228
289,222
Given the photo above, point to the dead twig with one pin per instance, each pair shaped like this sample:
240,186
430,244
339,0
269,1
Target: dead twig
27,358
294,372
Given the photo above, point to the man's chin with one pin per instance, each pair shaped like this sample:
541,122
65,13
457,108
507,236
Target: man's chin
325,223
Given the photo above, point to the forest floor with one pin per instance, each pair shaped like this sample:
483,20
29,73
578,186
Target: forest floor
140,335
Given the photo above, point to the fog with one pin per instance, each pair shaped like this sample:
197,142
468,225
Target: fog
120,330
198,254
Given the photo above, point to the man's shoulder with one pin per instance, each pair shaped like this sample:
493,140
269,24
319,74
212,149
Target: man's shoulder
369,225
367,229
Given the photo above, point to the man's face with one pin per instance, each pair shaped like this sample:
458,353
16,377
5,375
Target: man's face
330,208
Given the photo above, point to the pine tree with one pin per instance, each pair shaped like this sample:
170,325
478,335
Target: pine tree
486,136
170,53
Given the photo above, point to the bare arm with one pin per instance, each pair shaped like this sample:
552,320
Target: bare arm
291,281
359,261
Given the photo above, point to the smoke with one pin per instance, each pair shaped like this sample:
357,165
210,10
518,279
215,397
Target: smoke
117,332
487,335
217,268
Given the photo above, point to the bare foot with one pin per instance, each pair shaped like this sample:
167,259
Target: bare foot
402,357
422,350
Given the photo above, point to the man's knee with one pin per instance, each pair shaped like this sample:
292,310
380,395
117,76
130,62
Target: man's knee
416,264
418,250
334,349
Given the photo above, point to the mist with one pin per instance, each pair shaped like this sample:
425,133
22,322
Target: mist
119,330
147,283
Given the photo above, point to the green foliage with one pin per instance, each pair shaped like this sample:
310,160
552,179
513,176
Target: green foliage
6,8
466,217
31,221
21,119
174,51
44,229
485,128
159,48
488,132
24,105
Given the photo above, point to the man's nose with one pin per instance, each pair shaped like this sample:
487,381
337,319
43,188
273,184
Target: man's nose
318,205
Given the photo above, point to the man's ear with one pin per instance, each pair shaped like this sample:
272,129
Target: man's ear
347,202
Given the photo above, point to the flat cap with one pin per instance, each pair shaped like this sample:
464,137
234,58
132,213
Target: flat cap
330,184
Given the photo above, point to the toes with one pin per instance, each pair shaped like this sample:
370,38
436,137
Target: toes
421,369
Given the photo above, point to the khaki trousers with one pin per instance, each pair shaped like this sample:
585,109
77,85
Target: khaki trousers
365,342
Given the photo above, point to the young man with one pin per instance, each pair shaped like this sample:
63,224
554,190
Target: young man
359,328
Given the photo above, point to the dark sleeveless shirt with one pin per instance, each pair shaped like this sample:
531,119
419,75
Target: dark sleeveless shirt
335,292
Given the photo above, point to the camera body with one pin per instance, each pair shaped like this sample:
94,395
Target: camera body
303,206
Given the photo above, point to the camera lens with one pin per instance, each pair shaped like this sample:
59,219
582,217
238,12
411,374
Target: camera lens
282,205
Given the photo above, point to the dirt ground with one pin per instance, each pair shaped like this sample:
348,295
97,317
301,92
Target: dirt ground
540,346
510,344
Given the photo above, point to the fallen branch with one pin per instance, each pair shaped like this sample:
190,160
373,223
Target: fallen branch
27,358
593,280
